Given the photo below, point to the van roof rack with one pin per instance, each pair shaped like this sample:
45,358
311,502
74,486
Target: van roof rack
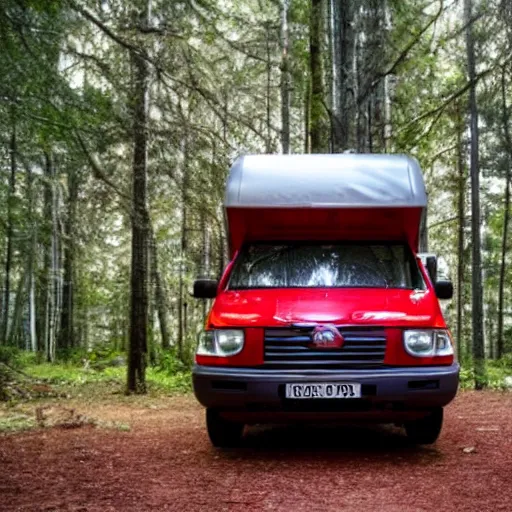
325,181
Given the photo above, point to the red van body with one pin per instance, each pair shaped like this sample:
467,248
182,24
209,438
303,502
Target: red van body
325,311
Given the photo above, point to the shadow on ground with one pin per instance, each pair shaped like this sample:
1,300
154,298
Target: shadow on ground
308,442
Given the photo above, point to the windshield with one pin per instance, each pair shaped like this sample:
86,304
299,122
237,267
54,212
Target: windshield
333,265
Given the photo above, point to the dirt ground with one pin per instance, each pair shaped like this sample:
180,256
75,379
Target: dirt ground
165,462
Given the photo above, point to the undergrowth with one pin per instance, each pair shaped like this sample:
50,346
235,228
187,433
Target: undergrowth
498,374
103,374
55,389
71,376
96,375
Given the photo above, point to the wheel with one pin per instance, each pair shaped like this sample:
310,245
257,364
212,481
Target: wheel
223,433
425,430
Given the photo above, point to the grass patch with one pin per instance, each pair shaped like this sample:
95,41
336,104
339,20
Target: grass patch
496,372
46,395
180,382
72,379
61,373
16,422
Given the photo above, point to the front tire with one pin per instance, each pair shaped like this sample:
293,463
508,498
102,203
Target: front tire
425,430
223,433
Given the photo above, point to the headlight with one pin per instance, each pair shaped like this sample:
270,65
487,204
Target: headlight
428,343
220,342
443,343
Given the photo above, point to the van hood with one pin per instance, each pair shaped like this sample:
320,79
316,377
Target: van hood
347,306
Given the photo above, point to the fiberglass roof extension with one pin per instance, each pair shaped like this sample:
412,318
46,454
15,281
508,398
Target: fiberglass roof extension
325,181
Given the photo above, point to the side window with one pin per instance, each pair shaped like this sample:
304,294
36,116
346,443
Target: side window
417,281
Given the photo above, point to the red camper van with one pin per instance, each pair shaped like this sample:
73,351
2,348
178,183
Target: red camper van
325,311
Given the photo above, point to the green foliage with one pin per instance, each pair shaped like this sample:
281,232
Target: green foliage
27,358
77,379
72,375
44,6
167,361
496,372
180,382
170,372
17,422
10,356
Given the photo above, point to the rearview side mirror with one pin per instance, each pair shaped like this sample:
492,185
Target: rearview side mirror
205,288
444,289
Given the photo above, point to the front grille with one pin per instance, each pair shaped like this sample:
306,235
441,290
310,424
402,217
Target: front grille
288,349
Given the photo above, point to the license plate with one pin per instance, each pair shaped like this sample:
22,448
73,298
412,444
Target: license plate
323,390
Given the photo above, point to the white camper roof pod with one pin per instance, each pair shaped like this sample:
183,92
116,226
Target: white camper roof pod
324,198
325,181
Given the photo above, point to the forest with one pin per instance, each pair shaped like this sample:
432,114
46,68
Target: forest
119,121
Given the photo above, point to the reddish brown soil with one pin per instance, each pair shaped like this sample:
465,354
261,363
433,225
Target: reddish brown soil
166,463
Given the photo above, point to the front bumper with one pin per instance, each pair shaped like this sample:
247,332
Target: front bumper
385,392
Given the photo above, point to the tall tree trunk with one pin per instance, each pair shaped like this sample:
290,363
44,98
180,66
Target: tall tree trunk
477,299
183,248
160,298
370,126
307,117
56,262
32,315
331,71
15,330
152,356
136,378
268,138
55,279
185,324
319,129
31,262
42,320
343,69
360,124
183,256
490,317
285,80
222,250
66,338
205,263
50,260
10,229
386,87
461,203
225,119
506,214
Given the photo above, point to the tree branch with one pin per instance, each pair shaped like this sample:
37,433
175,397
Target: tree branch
447,221
403,55
440,108
112,35
442,152
206,95
97,171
